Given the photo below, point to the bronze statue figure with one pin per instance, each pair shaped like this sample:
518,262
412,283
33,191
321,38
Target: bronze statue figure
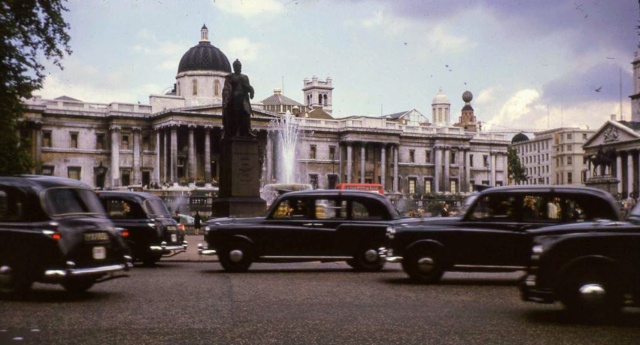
236,105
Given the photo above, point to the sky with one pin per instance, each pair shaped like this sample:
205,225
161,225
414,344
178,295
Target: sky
530,65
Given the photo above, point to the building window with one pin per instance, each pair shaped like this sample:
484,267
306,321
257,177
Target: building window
216,88
125,142
569,136
569,147
412,185
125,177
471,160
569,160
427,186
47,170
74,140
313,180
100,141
46,139
332,152
454,154
73,173
569,178
146,143
427,156
485,161
453,184
584,136
412,156
194,87
312,152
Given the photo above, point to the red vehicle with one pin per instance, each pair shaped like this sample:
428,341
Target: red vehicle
368,187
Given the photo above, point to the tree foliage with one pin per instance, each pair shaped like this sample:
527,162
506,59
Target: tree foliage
31,31
517,172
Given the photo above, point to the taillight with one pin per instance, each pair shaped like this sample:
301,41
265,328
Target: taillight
124,233
181,226
53,234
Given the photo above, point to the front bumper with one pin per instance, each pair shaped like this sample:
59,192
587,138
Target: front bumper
204,250
71,271
169,250
387,255
530,292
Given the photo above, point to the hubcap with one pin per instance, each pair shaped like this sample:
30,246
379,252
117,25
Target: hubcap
425,265
592,293
236,255
371,255
5,276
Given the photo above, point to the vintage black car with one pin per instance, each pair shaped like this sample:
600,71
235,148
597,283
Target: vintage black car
593,271
153,233
323,225
494,231
54,230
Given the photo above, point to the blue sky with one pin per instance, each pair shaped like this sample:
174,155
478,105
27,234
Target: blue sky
529,64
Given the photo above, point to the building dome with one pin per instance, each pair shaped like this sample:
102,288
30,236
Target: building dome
204,57
440,98
520,137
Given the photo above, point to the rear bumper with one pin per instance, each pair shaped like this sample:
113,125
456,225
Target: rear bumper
204,250
72,271
530,292
169,250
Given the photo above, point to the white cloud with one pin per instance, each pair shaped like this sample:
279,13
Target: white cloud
149,44
512,112
243,49
444,41
386,23
249,8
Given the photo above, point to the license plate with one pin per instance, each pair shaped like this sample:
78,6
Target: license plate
99,253
174,238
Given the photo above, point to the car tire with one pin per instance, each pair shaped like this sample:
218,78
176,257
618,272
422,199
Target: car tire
13,280
367,260
151,260
591,291
236,257
78,285
423,265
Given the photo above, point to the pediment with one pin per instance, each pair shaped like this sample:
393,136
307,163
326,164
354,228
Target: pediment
612,133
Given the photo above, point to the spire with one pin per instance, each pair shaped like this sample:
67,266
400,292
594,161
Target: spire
204,34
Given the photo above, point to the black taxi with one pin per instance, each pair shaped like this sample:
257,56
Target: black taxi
153,233
54,230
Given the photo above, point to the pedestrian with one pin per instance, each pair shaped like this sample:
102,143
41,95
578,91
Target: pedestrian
196,223
445,210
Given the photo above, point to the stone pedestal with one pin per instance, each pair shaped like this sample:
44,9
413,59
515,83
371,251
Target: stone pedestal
239,185
606,183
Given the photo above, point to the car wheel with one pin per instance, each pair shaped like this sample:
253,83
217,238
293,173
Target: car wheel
236,257
13,280
591,291
423,265
367,260
78,284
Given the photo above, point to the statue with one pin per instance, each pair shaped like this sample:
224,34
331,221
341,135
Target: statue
236,107
602,159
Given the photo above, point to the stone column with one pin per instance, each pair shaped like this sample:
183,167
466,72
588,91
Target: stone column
362,161
191,176
137,172
619,171
629,172
207,155
464,185
492,178
340,177
38,154
165,162
436,168
383,166
115,156
349,161
447,162
395,168
174,154
156,175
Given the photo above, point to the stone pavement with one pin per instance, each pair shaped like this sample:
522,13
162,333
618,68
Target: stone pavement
191,255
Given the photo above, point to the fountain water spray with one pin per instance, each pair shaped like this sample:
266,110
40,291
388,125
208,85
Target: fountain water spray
286,128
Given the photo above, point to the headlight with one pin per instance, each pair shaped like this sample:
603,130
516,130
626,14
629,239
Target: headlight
536,251
391,232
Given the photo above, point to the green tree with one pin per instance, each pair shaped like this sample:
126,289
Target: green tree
516,170
30,30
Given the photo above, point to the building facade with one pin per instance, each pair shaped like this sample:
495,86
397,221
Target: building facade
175,139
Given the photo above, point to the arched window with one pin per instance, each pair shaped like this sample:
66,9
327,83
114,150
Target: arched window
194,84
319,99
216,88
178,89
325,100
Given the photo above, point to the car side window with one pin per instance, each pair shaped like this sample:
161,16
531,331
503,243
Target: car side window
494,207
532,208
330,209
123,209
291,208
11,206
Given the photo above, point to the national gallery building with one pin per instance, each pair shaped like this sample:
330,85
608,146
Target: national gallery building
176,138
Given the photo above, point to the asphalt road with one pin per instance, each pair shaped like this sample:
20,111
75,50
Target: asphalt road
184,302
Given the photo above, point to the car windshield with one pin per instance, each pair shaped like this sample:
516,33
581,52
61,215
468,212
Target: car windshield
156,208
66,201
634,215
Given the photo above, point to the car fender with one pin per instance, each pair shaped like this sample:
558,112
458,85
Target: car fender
612,264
